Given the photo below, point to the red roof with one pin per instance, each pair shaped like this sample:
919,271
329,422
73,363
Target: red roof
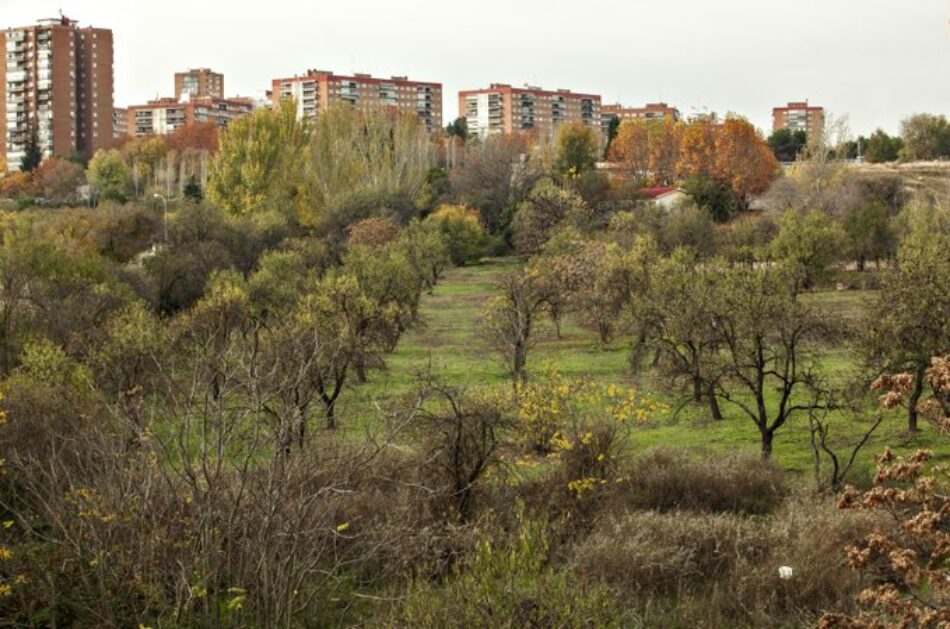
653,193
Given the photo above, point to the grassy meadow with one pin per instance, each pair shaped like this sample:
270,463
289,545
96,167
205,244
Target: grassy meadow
449,343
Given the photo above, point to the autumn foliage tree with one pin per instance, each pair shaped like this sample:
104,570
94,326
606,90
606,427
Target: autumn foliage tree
743,160
732,153
58,179
630,149
663,148
372,232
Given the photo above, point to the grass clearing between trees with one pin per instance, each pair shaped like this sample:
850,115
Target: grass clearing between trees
450,343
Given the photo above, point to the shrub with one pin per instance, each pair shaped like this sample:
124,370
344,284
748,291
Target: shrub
511,584
689,569
672,479
645,552
464,233
372,232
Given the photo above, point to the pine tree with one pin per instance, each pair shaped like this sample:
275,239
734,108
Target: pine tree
34,154
192,189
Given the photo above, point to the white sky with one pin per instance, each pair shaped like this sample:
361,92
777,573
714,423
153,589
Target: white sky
875,60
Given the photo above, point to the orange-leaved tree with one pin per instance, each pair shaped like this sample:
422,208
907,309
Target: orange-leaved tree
744,160
630,149
697,154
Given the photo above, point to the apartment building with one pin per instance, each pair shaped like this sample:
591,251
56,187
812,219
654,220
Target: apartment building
799,116
166,115
501,108
650,111
120,122
199,82
56,84
317,90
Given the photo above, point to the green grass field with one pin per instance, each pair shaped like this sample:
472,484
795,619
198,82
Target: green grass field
449,343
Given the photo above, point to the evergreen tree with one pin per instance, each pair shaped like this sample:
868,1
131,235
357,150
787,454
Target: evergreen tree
192,190
34,154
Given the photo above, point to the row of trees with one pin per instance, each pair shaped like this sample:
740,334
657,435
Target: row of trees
135,168
922,137
733,332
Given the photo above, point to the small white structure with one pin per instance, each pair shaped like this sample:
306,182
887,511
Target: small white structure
785,572
671,199
666,198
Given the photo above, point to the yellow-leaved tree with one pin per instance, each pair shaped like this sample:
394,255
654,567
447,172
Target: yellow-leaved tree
258,168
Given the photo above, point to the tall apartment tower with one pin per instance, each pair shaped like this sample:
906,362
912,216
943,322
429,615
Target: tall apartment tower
799,116
56,84
199,83
317,90
502,108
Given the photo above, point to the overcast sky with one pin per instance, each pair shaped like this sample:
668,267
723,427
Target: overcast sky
876,61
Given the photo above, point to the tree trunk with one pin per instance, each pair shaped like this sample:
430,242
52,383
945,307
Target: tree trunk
518,364
714,409
360,364
766,444
331,417
915,399
697,388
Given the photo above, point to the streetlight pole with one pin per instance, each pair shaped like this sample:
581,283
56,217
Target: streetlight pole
164,213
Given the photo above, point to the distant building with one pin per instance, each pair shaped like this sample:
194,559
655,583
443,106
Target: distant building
198,83
665,197
501,108
650,111
56,84
120,122
166,115
799,116
318,90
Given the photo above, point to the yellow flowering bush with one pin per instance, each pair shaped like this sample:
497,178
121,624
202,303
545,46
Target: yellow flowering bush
579,422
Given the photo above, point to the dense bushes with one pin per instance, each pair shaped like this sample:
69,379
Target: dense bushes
704,569
671,480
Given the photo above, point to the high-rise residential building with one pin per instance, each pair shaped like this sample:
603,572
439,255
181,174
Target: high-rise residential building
502,108
650,111
56,86
198,82
317,90
166,115
799,116
120,122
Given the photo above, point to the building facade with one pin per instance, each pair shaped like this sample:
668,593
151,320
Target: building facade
651,111
166,115
799,116
56,85
198,83
120,122
504,109
318,90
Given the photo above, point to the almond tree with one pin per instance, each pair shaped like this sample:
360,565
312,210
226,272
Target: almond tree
908,322
678,316
510,319
765,366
